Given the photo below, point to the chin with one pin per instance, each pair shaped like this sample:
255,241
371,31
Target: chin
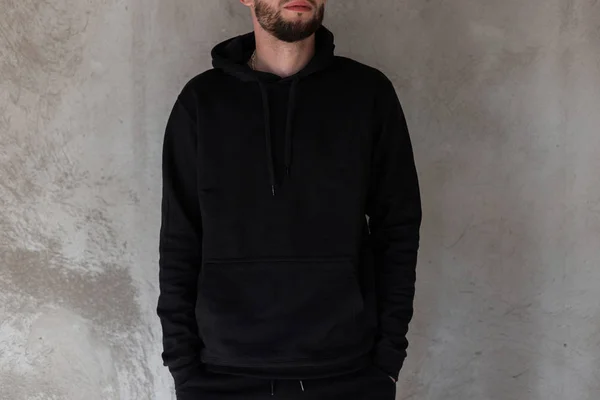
299,20
300,15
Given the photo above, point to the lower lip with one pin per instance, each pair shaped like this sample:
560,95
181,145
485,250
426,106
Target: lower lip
299,8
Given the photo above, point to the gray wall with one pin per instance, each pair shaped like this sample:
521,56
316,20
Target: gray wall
502,98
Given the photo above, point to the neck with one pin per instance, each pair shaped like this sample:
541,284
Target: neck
281,58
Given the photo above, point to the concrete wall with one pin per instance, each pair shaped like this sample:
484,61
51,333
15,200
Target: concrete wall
502,98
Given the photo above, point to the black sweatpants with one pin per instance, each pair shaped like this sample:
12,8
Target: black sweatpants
369,383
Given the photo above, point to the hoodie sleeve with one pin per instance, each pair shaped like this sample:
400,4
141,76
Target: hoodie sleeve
394,210
179,246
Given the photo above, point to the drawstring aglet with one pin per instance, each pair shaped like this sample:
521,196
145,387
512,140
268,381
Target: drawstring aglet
302,386
272,390
273,190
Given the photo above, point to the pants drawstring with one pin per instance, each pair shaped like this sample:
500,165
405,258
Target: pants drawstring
273,386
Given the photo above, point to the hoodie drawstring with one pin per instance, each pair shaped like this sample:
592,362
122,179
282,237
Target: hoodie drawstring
288,128
288,131
273,386
267,117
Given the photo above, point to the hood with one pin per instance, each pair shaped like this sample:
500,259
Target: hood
232,57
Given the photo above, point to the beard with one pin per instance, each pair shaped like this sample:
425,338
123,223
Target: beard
273,22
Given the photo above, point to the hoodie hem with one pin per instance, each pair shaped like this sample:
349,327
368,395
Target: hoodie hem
320,368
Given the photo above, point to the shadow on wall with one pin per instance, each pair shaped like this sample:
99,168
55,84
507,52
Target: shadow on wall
482,232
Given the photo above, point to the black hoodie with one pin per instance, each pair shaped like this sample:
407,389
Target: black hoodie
268,265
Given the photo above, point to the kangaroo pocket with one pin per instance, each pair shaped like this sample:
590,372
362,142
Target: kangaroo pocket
266,311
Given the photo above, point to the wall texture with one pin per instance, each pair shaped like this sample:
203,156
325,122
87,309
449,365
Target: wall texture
502,98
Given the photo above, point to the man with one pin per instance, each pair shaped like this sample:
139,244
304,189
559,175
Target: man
273,281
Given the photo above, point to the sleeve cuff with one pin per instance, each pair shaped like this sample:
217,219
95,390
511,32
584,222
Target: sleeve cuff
183,374
389,360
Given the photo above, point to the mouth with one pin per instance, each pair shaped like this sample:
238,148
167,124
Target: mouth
299,6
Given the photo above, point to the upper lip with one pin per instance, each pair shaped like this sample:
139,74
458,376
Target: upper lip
298,3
